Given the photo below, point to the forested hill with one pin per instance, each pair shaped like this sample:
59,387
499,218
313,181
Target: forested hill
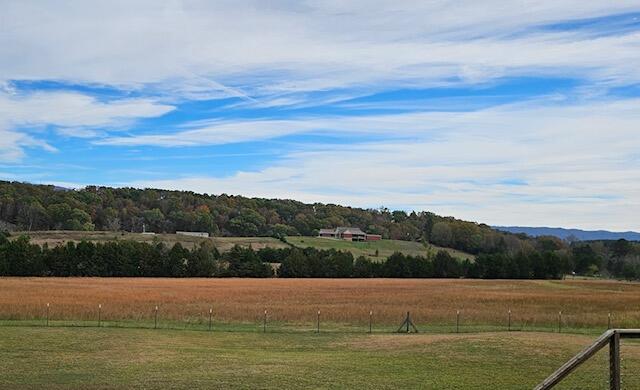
40,207
45,207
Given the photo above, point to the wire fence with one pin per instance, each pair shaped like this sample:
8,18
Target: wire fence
316,320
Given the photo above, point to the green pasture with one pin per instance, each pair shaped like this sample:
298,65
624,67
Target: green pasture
368,249
36,357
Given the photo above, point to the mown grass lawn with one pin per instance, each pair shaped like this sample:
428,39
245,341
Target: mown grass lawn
108,358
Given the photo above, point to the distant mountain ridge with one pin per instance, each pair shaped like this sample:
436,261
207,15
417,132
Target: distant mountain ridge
582,235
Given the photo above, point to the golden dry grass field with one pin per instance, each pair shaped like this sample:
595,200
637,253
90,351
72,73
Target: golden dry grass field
534,303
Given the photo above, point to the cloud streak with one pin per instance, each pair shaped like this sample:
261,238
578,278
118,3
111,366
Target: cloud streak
71,114
288,49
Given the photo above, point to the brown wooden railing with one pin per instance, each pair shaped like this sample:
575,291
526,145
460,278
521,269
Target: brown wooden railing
612,338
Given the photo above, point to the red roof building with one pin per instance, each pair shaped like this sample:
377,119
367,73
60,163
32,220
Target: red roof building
348,234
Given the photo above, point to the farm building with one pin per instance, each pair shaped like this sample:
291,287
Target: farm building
348,234
193,234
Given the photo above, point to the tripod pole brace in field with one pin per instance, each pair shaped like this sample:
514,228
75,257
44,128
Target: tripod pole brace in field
407,325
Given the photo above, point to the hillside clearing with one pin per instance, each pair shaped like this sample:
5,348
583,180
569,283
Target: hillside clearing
368,249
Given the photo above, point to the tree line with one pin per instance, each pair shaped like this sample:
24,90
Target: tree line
126,258
310,263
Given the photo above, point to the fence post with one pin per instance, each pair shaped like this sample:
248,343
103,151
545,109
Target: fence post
99,314
560,321
370,320
609,321
318,323
457,321
155,319
509,321
210,318
47,313
264,322
408,321
614,361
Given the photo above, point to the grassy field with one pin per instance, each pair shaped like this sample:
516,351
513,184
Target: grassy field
368,249
107,358
344,303
126,351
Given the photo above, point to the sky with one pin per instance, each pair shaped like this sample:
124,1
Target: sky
506,113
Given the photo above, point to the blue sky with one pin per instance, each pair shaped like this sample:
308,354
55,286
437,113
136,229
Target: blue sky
517,113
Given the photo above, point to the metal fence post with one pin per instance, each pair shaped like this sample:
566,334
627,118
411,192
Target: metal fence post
264,322
210,318
318,323
370,320
99,314
609,321
509,321
47,313
457,321
155,319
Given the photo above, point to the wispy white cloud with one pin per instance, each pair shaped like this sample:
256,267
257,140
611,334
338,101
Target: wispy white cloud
71,109
72,114
215,133
230,48
12,144
544,117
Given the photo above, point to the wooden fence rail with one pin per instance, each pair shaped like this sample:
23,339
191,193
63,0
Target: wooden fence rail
612,338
